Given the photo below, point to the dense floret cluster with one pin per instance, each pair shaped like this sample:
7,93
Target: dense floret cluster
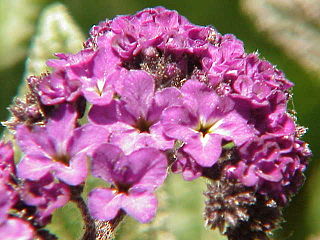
147,93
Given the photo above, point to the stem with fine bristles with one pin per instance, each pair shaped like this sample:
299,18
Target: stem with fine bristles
89,224
94,229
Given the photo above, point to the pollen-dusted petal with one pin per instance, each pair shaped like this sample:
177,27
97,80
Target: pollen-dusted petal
178,123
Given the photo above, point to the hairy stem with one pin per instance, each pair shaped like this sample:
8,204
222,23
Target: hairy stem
105,230
94,229
89,224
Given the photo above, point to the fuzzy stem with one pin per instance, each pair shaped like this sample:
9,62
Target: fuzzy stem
89,224
105,230
94,229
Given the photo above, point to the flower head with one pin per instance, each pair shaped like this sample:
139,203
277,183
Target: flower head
160,92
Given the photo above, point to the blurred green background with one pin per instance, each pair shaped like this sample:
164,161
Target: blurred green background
287,33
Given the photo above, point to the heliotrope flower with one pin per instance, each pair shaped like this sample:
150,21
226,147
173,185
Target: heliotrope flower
58,147
46,195
160,92
133,179
203,121
11,227
272,165
134,119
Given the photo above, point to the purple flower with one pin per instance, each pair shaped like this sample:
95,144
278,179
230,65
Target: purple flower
57,88
133,180
8,196
159,88
58,147
203,121
89,73
186,165
11,228
273,165
224,61
101,81
134,120
7,166
16,229
45,194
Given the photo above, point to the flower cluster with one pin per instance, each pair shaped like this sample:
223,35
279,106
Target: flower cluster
154,92
26,206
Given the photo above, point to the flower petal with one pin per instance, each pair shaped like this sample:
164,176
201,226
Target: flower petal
205,150
35,141
76,172
104,204
34,167
16,229
138,93
104,161
178,123
148,169
61,125
86,139
142,206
